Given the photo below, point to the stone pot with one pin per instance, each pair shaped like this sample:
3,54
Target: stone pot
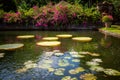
108,24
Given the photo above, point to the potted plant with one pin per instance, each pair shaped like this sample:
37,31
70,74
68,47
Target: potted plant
107,19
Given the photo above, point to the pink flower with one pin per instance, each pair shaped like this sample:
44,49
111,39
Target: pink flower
110,16
74,14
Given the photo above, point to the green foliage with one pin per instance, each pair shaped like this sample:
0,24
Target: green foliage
107,18
59,14
1,13
91,14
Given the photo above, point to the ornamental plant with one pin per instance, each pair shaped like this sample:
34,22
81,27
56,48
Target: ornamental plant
107,18
12,17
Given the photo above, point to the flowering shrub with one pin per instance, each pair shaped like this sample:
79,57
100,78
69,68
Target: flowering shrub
61,14
12,17
107,18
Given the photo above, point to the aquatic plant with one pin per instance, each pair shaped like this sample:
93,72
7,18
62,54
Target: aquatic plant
11,46
76,70
112,72
59,71
63,62
69,78
88,76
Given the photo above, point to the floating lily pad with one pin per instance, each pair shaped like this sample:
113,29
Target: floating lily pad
73,53
48,61
56,51
51,69
63,62
59,71
48,54
76,70
50,38
67,57
45,66
83,52
21,70
112,72
2,55
64,35
25,36
88,76
11,46
73,71
78,56
30,64
94,54
69,78
90,63
97,68
49,43
82,39
76,60
58,54
97,60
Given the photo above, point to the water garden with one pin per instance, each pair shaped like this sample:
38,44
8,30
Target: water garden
59,52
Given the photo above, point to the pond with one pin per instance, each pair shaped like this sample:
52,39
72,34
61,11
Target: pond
76,60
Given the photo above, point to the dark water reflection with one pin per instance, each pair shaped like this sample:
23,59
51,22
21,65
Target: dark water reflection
108,47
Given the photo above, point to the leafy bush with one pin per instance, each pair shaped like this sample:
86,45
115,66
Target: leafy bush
107,18
12,17
1,13
61,14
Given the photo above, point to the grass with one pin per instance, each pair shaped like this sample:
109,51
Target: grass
113,29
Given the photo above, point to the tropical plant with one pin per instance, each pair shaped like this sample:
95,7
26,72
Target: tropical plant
107,18
1,13
12,17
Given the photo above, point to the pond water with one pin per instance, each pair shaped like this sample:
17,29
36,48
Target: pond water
34,62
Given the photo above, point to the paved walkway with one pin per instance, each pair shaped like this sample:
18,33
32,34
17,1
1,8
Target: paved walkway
109,33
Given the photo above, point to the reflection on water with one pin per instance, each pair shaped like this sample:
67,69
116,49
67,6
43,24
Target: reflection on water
34,62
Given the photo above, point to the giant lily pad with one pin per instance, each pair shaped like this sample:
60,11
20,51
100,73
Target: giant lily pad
59,71
64,35
88,76
82,39
11,46
76,70
112,72
69,78
49,43
25,36
63,62
50,38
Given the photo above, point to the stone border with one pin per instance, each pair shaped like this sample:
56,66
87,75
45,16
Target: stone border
109,33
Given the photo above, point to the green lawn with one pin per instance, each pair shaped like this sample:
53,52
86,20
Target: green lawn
113,28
